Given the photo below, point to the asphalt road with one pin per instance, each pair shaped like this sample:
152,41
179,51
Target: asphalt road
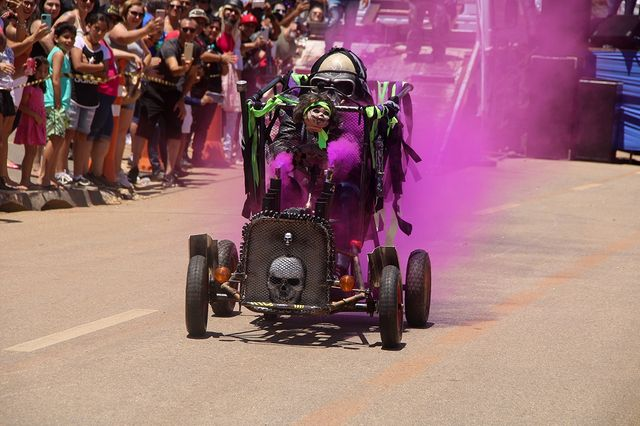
534,320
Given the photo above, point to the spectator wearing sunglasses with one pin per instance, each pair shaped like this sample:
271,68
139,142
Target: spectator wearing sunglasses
174,14
21,38
229,41
163,104
215,63
128,35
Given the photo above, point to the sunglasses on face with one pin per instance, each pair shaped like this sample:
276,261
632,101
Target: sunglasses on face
136,15
188,30
176,6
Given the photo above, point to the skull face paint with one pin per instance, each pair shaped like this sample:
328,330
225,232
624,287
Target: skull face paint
286,280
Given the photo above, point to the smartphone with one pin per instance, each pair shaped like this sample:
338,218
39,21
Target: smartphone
188,51
258,4
46,18
160,13
217,97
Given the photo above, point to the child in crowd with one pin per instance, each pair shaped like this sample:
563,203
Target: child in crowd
7,109
88,57
32,129
57,99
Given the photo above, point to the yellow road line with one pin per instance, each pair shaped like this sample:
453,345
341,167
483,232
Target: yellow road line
498,208
342,409
80,330
585,187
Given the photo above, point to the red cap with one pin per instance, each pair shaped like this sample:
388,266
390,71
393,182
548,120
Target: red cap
249,18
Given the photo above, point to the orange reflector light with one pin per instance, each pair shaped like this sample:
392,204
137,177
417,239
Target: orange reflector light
222,274
347,282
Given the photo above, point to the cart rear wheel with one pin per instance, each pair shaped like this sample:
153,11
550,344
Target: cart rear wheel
227,256
418,293
390,307
197,296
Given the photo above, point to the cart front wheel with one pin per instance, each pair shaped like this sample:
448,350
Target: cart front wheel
418,293
197,297
390,307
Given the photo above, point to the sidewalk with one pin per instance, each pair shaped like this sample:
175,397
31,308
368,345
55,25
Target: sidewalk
68,197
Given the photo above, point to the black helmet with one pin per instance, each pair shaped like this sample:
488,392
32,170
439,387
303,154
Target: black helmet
359,73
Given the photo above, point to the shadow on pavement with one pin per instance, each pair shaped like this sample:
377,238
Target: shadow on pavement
345,331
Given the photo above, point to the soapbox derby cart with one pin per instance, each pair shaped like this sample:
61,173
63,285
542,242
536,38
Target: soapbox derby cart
288,263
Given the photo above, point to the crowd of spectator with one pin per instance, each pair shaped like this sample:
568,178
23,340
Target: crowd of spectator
174,62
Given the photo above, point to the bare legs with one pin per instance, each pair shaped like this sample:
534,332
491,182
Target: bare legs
81,154
99,151
51,155
30,152
6,124
126,115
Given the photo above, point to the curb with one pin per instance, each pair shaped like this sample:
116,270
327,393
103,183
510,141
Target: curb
14,201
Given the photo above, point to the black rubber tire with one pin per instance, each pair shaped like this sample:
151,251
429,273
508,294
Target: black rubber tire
227,256
417,297
390,307
197,296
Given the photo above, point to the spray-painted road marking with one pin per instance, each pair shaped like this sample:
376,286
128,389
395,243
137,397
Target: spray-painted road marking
80,330
344,408
498,208
585,187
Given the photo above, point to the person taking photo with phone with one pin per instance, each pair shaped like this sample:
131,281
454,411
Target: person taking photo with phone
162,103
215,64
129,35
50,12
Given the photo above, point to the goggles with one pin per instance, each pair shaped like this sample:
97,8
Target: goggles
344,86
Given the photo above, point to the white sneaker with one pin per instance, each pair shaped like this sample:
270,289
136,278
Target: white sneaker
63,178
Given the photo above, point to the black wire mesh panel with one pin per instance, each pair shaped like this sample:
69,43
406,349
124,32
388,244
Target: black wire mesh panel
287,258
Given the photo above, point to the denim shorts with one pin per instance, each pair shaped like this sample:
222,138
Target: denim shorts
81,117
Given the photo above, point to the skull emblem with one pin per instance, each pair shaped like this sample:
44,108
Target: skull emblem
286,280
288,238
